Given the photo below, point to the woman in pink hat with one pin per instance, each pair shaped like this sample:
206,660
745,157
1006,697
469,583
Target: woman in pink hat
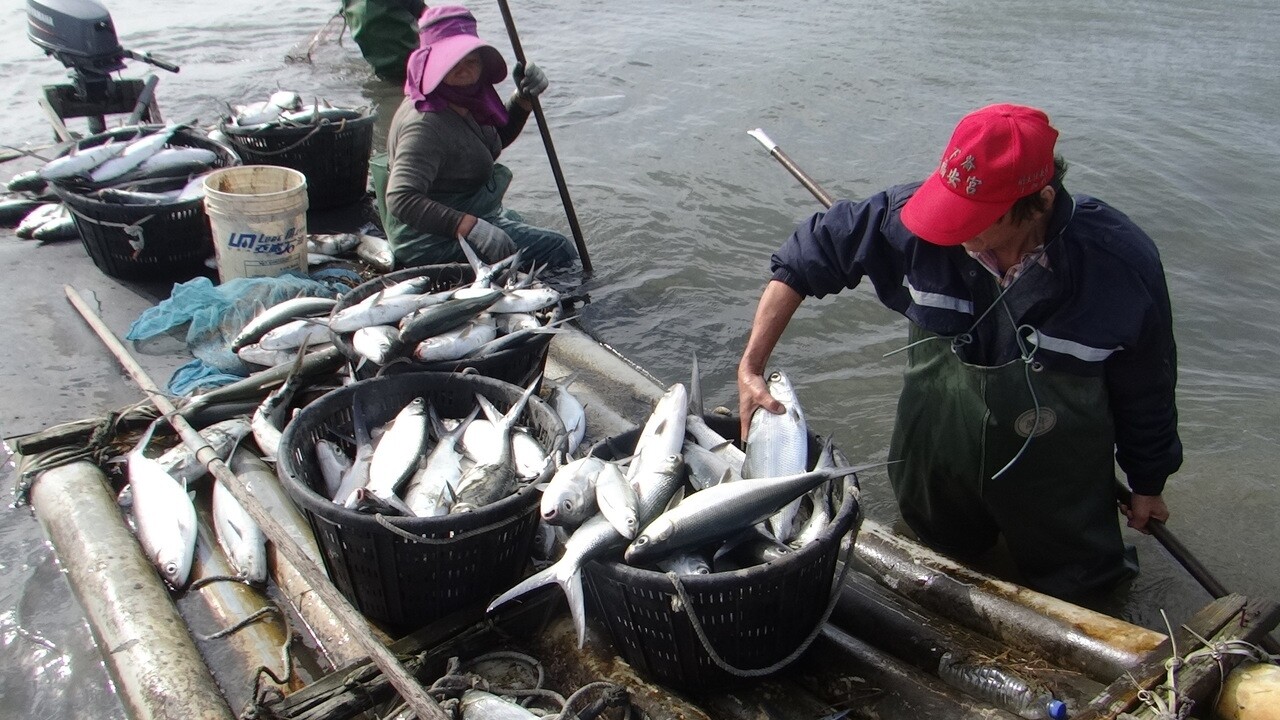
444,184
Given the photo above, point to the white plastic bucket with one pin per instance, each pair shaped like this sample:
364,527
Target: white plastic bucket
258,215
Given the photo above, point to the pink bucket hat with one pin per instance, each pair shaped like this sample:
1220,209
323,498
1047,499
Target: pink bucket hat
446,34
997,154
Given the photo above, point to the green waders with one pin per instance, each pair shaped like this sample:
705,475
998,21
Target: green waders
958,424
386,31
412,247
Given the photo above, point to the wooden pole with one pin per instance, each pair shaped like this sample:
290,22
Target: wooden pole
410,690
546,141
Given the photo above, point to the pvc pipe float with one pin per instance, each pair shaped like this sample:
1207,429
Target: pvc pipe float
1073,637
144,641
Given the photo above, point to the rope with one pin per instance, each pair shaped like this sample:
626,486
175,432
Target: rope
320,125
137,240
426,540
97,449
800,650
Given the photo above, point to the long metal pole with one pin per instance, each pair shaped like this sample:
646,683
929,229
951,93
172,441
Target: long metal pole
410,690
546,141
809,183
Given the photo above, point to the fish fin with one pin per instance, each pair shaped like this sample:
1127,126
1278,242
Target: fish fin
696,406
490,411
577,606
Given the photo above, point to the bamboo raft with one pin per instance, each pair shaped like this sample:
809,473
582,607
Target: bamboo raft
302,656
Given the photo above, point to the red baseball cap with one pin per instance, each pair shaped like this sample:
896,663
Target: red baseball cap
996,155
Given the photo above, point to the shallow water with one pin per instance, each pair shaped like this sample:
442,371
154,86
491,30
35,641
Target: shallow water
1166,110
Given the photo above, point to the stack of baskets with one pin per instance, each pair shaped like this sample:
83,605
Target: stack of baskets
454,561
519,365
169,241
752,618
334,155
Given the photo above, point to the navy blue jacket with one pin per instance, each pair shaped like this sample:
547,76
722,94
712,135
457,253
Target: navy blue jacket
1109,313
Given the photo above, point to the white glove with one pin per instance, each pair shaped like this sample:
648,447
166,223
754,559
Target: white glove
490,241
530,81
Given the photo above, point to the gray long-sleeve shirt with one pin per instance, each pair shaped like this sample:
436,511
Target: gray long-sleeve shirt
440,152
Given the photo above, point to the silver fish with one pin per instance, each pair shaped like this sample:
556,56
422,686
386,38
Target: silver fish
528,454
456,343
720,510
571,412
510,322
294,334
379,344
663,433
685,563
379,309
137,197
240,537
489,482
570,496
59,227
334,465
526,300
272,414
617,500
254,354
377,252
333,244
706,467
778,445
79,162
33,220
133,155
163,514
480,705
597,538
433,489
222,437
177,161
279,314
400,449
444,316
358,475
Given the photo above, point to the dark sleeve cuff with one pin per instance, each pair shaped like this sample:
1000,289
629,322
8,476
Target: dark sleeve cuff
791,280
1147,485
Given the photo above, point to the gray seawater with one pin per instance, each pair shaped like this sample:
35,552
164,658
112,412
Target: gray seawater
1166,109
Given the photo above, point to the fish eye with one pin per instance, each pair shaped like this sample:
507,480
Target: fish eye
170,569
568,505
775,375
641,541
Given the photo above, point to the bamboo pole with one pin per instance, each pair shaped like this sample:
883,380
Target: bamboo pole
410,690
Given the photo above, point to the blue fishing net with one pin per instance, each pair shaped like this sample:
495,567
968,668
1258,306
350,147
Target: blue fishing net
214,314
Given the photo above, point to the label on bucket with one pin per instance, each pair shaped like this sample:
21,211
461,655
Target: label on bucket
258,215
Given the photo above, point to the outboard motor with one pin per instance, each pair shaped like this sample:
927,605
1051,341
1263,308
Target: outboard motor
80,35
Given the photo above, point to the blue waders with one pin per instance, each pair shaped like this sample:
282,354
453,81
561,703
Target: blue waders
959,424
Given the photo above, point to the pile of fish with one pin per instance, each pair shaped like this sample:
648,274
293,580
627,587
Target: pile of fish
145,170
637,509
502,308
420,465
34,211
406,320
164,516
285,109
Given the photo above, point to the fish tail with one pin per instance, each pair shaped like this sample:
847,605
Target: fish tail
572,586
533,582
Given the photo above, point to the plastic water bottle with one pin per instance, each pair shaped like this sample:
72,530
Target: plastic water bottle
1000,688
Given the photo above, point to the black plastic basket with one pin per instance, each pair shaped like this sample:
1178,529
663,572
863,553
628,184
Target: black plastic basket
753,618
334,155
466,558
519,365
169,241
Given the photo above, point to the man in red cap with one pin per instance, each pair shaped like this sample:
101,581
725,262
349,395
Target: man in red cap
1041,351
